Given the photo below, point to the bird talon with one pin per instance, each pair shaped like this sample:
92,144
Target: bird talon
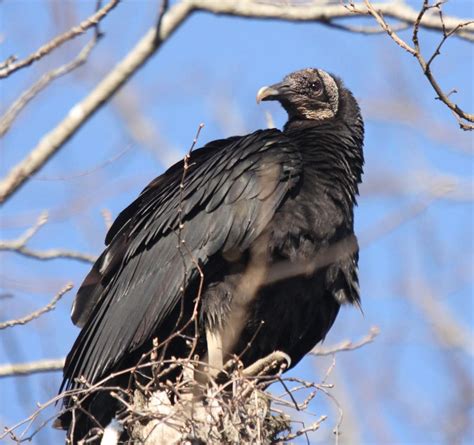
273,363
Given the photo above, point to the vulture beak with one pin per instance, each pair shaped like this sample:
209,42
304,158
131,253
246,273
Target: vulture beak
272,92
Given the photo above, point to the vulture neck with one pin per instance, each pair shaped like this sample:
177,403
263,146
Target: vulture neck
332,154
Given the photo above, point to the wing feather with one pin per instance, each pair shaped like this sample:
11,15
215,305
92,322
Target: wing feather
232,189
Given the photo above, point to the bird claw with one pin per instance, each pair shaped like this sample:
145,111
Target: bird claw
274,363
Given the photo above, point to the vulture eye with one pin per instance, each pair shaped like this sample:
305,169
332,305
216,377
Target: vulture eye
316,85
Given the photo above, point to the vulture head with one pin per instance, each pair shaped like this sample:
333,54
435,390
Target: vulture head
308,94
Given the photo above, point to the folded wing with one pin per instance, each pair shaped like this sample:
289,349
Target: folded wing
230,191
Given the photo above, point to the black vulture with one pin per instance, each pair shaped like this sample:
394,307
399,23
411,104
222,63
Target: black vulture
253,234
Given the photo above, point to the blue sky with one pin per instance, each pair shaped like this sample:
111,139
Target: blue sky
403,389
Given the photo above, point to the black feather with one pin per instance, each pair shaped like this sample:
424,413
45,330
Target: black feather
271,199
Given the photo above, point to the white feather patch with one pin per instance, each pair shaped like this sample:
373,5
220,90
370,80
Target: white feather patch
112,433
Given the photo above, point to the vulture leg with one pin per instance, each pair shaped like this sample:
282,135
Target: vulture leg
215,353
275,362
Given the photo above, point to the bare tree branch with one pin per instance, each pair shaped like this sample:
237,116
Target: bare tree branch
108,220
365,29
82,111
393,220
451,333
169,22
19,369
49,307
128,105
19,246
327,13
10,66
453,336
11,114
303,431
347,345
415,51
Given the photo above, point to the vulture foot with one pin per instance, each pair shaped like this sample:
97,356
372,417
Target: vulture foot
273,363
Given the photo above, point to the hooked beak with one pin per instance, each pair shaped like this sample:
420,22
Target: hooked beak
272,92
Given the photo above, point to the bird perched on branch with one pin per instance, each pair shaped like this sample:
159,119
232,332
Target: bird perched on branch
246,248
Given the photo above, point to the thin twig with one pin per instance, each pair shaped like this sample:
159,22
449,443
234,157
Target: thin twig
313,427
49,254
11,114
52,142
347,345
163,8
377,15
464,119
365,29
49,307
93,20
19,246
